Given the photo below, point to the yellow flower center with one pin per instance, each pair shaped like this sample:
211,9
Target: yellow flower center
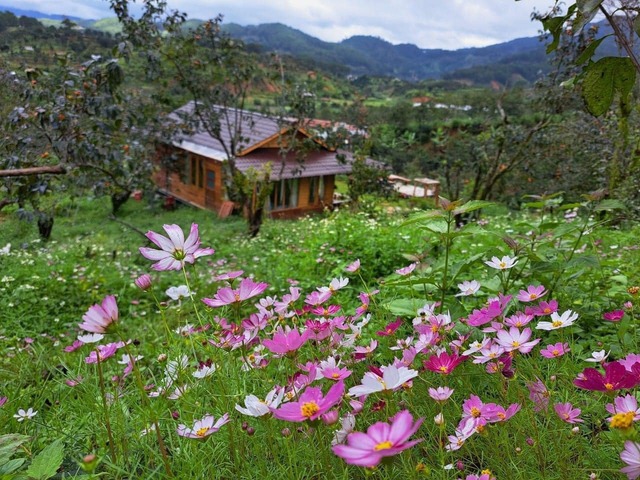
515,344
308,409
201,432
475,412
556,323
556,352
443,369
502,265
533,296
608,386
486,471
179,254
237,297
335,375
383,446
622,420
546,311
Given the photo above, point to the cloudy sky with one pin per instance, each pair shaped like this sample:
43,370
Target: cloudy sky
448,24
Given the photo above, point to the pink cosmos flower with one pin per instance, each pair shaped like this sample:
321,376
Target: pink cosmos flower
353,267
616,377
531,293
475,408
3,400
336,373
543,308
518,319
311,404
484,476
99,318
381,440
539,395
174,251
555,350
514,340
631,456
443,363
407,270
103,352
440,394
485,315
614,316
226,295
286,340
228,275
463,431
203,428
567,413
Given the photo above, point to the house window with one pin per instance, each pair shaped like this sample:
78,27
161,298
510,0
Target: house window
284,194
195,175
211,180
316,190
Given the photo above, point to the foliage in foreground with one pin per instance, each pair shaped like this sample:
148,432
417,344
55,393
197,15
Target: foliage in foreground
474,361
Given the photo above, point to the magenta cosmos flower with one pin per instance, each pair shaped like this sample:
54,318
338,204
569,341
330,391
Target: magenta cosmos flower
203,428
226,296
174,251
532,293
381,440
311,404
443,363
631,456
99,318
614,316
616,377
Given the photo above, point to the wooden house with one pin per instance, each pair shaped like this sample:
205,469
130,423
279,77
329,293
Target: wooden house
191,167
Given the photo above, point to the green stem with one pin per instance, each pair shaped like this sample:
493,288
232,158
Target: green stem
105,405
445,273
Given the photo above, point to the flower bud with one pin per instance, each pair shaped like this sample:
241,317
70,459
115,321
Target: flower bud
330,417
439,419
162,357
143,282
530,442
251,431
285,432
460,465
575,430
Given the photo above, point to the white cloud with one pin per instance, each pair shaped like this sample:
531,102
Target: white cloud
447,24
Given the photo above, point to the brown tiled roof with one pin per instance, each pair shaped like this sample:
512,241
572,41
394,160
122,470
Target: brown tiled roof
254,128
318,162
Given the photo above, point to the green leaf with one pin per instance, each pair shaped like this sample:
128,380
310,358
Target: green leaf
46,463
423,217
472,205
603,79
610,204
590,50
9,444
405,306
11,466
587,9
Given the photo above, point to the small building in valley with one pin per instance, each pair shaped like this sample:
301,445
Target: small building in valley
191,166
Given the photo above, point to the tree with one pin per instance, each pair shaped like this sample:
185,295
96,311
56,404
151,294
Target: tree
72,128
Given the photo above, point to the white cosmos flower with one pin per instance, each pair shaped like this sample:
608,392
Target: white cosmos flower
468,288
558,321
598,357
205,371
392,378
179,292
503,263
22,415
254,407
90,337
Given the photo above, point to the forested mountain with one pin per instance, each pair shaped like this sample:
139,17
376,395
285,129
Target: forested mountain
515,60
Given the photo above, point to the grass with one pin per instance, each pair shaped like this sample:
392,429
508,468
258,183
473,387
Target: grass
46,288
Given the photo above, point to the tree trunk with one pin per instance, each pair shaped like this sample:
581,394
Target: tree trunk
118,199
45,225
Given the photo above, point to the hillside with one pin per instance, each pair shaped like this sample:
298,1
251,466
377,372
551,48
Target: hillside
515,60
